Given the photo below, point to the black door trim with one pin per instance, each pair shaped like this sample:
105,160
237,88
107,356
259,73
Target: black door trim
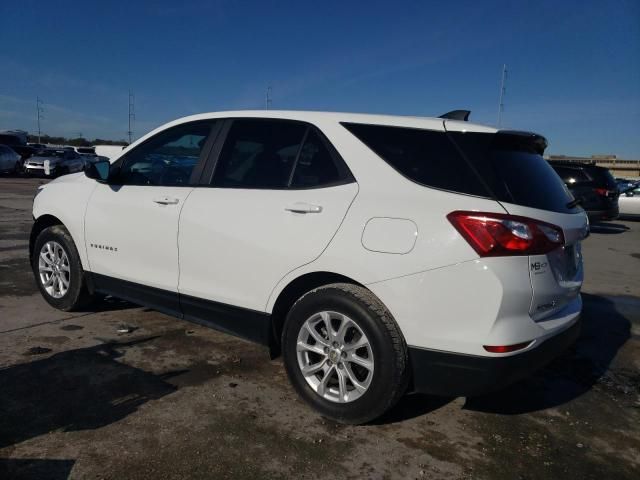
242,322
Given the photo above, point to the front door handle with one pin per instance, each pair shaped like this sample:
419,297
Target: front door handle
301,207
166,200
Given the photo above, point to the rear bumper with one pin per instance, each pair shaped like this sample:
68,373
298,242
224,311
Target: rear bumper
452,374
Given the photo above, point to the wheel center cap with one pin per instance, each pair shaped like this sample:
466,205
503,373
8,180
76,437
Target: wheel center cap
334,355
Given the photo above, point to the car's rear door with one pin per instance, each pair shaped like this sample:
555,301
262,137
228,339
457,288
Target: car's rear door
275,198
131,224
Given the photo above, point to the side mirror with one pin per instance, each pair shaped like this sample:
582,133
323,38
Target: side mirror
629,194
99,171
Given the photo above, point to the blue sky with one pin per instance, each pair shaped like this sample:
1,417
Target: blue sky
574,66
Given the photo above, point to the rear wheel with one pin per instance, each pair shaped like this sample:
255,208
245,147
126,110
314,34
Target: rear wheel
344,353
58,271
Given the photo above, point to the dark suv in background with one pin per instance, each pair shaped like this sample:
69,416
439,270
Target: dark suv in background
594,187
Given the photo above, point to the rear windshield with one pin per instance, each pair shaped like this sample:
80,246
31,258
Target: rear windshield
603,177
506,167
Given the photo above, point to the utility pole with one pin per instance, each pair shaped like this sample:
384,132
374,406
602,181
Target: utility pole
503,89
132,115
39,112
267,99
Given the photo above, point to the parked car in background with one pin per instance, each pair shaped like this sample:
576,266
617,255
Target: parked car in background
629,201
88,155
37,146
593,187
625,184
24,151
9,160
110,152
377,253
61,162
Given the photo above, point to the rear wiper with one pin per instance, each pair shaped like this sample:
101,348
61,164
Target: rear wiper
574,203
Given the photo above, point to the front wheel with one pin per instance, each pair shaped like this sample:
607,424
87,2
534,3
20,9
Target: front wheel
58,271
344,353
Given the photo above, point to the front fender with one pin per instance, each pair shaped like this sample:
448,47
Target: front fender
66,199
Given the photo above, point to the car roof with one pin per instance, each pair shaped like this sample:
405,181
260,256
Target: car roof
315,116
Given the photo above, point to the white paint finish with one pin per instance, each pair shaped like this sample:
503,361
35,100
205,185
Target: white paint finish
236,244
462,307
243,247
389,235
630,205
66,198
144,232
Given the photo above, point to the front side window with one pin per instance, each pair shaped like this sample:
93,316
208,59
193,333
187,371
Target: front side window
168,159
259,154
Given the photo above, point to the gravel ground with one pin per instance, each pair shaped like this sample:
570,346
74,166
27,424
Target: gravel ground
175,400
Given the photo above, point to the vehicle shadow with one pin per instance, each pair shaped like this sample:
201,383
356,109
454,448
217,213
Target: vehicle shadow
108,304
33,468
608,228
604,331
74,390
411,406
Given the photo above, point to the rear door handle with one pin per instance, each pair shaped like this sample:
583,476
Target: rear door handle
166,200
301,207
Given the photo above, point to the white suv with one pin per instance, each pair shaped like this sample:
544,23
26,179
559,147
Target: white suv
377,253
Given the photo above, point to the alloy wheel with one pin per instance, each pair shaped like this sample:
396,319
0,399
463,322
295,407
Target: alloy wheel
54,269
335,357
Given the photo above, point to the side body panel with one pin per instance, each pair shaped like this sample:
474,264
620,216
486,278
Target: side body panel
236,244
66,198
131,237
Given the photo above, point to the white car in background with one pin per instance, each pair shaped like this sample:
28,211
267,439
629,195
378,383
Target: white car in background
629,202
10,161
377,253
54,162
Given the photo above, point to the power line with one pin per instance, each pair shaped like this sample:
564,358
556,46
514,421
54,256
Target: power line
503,90
39,114
132,115
267,99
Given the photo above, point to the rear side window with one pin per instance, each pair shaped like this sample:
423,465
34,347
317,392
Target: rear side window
316,166
259,154
506,166
426,157
277,154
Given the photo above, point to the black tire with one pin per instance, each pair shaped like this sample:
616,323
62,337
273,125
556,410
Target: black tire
77,295
390,375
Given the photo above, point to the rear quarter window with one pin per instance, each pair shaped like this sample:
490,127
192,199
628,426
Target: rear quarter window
426,157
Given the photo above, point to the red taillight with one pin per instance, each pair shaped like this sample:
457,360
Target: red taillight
498,234
601,191
505,348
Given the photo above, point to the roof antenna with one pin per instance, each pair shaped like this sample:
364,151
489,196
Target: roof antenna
503,90
457,115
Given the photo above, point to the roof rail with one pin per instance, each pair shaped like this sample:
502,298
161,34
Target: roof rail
457,115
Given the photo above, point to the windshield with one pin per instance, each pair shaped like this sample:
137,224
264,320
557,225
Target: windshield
51,153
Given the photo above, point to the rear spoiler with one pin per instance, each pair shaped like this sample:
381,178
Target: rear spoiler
521,141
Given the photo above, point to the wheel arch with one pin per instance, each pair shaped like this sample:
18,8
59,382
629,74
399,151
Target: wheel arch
292,292
40,223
